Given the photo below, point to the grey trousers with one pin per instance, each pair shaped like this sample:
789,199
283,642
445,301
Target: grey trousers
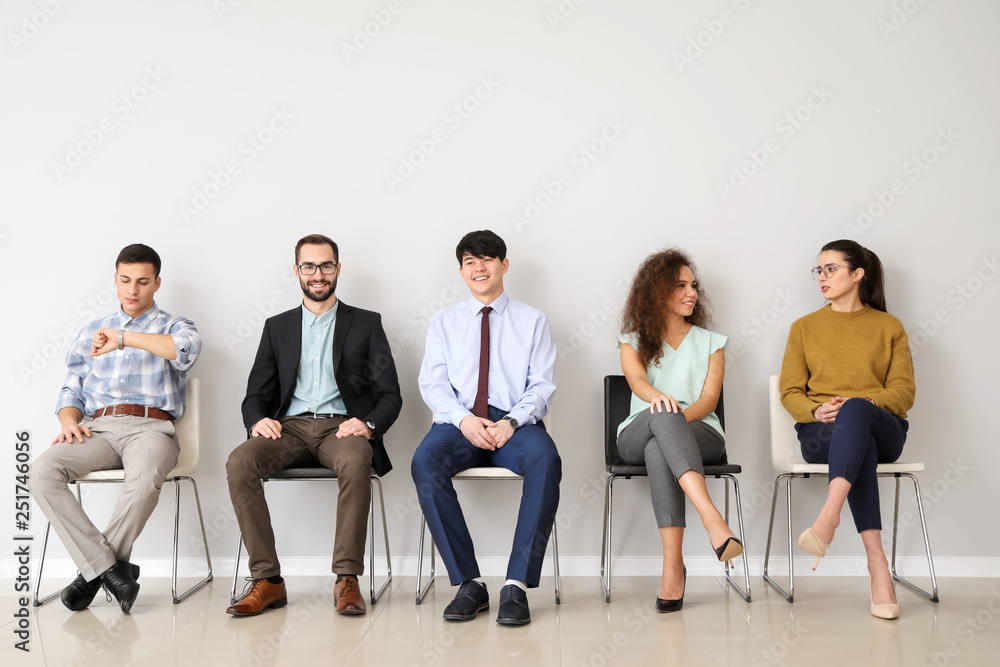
146,448
669,446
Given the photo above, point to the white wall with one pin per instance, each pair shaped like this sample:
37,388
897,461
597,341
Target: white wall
885,87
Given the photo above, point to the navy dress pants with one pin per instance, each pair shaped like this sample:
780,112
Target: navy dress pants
531,453
863,436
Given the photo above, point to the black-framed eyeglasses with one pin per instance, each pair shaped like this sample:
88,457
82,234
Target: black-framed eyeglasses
827,270
327,269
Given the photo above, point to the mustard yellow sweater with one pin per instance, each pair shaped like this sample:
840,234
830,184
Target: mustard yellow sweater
861,353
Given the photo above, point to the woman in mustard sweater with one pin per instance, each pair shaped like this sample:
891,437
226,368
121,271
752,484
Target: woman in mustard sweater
847,379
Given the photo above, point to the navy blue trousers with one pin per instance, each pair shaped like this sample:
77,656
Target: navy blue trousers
531,453
863,436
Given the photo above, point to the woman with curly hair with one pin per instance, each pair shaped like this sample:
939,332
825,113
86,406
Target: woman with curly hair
847,379
674,367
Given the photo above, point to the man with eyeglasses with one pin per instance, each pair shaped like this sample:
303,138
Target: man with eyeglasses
322,392
127,372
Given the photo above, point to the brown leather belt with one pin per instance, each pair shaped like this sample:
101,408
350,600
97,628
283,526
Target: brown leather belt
134,410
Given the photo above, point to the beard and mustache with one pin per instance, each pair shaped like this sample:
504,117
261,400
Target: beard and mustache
331,287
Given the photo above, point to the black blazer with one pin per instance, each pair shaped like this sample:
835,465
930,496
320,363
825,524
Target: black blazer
362,365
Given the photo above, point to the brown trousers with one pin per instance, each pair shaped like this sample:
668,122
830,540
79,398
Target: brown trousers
304,442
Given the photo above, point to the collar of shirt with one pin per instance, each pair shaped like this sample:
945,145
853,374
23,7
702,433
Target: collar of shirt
308,319
140,322
498,304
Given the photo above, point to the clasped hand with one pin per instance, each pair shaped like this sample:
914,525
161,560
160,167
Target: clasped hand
486,434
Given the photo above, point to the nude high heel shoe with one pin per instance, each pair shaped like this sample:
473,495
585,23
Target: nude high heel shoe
889,611
813,544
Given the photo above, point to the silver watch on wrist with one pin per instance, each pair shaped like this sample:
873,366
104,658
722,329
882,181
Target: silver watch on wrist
121,339
513,422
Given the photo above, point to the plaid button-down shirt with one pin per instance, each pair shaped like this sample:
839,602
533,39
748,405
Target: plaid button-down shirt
131,376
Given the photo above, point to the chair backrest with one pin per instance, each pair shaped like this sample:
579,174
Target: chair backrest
189,427
617,402
785,450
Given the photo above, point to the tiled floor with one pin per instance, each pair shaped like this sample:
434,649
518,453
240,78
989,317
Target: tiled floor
828,624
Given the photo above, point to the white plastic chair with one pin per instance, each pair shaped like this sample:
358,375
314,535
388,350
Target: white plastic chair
188,437
786,456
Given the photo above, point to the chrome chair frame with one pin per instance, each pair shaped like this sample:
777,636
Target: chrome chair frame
787,460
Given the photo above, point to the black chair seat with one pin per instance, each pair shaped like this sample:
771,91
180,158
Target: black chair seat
617,401
303,473
640,471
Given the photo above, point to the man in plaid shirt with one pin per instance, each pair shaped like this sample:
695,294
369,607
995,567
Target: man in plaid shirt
127,373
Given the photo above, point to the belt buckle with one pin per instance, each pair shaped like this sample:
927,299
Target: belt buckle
114,412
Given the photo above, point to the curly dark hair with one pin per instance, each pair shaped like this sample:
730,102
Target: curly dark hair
645,312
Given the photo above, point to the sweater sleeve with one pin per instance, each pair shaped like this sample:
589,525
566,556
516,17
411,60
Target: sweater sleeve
794,378
900,388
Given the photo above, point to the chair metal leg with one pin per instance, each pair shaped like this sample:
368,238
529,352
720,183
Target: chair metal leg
606,542
41,564
201,522
375,595
789,594
933,594
236,567
555,559
422,591
739,516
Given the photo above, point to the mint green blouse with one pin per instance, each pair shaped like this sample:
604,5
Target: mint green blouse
681,373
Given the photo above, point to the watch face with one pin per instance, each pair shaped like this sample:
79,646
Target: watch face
512,421
370,425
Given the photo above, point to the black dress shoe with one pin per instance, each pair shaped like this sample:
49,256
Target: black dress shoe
120,582
513,606
666,606
80,593
471,599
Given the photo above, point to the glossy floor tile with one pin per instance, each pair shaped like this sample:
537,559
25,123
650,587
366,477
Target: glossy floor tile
828,624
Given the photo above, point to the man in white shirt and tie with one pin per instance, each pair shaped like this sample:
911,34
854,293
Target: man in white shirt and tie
487,374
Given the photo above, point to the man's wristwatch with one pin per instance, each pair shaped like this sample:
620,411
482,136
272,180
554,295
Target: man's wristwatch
371,427
513,422
121,339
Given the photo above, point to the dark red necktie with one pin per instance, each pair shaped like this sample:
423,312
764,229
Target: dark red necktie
479,407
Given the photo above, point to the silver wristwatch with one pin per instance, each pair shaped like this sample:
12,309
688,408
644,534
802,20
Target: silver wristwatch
121,339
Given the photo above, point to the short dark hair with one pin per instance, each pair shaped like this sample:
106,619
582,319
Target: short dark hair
317,239
138,253
483,243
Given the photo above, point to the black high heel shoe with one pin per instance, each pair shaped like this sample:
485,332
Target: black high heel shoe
729,550
665,606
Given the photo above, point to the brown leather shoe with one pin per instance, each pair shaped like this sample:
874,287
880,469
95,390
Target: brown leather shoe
262,595
347,595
